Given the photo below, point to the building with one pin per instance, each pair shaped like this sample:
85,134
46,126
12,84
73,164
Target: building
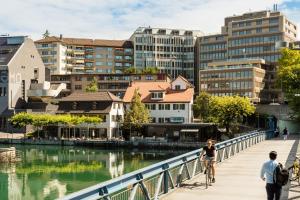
103,104
114,83
168,102
170,50
77,55
20,66
234,77
250,35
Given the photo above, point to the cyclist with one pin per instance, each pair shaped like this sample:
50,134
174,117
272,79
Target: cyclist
210,155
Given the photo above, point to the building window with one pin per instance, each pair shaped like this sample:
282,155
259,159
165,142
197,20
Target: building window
94,105
177,87
161,120
258,30
178,106
78,87
99,63
273,29
74,105
259,22
161,106
157,95
78,78
149,77
273,20
153,119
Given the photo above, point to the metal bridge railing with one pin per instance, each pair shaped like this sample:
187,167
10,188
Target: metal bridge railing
153,181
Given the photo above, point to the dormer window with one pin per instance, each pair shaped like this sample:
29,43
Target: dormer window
157,95
177,87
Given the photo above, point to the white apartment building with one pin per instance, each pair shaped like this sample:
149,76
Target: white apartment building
168,102
170,50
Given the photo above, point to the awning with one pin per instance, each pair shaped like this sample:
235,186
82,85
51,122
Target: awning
190,130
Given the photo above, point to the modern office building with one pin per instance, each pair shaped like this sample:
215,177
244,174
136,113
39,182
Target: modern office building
20,67
250,35
114,83
168,102
235,77
170,50
77,55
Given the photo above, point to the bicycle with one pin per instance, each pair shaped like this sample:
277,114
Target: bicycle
295,168
208,174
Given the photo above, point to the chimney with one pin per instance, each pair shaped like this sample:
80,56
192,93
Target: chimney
60,36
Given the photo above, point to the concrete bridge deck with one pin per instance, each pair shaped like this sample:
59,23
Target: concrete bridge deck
238,177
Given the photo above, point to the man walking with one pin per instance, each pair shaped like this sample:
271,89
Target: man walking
285,133
267,174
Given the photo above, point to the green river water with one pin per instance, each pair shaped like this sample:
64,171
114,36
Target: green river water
50,172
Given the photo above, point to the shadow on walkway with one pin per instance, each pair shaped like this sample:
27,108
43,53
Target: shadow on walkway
192,186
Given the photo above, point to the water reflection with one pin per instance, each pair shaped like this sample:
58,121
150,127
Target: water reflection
50,172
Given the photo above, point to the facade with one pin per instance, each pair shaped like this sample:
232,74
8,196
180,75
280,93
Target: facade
168,102
103,104
239,77
77,55
170,50
20,66
250,35
114,83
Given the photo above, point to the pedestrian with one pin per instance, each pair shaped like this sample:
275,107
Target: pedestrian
277,132
267,174
285,133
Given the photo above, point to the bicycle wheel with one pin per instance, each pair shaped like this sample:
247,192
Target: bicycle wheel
209,176
206,178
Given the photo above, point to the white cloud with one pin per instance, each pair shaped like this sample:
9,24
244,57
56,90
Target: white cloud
117,19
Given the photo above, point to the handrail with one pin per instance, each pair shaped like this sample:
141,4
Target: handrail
132,180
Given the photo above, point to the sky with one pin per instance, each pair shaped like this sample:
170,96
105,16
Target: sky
118,19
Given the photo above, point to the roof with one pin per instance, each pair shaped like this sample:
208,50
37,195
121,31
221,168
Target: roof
91,96
7,51
104,111
185,80
83,41
145,88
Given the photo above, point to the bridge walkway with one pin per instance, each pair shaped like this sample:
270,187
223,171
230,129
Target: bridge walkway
238,177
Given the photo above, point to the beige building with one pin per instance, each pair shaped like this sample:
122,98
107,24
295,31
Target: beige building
117,84
234,77
20,66
77,55
250,35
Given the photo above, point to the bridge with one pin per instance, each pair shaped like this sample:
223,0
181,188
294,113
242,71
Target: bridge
238,169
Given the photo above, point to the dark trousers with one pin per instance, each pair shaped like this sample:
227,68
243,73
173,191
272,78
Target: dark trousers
273,190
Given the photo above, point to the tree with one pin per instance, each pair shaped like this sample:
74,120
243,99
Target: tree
227,110
131,70
150,70
93,86
46,34
137,115
201,108
288,77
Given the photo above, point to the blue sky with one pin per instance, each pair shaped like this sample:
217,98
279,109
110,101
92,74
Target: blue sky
117,19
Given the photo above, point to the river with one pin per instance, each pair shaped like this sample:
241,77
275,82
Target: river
50,172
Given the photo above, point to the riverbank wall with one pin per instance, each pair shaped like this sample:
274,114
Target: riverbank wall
109,144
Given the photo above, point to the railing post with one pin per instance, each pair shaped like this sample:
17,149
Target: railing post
166,182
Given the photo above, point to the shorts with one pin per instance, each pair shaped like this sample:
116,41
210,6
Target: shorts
209,158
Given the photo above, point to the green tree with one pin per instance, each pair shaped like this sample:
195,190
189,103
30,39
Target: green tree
137,114
93,86
201,107
288,77
150,70
228,110
131,70
46,34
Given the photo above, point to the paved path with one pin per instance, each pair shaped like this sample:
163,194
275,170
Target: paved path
238,177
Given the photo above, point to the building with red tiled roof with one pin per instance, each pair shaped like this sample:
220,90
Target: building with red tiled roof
168,102
80,55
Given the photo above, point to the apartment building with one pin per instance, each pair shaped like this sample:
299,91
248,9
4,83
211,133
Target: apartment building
20,66
77,55
170,50
168,102
117,84
250,35
234,77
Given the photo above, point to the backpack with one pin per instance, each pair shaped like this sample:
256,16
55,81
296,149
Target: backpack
281,175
